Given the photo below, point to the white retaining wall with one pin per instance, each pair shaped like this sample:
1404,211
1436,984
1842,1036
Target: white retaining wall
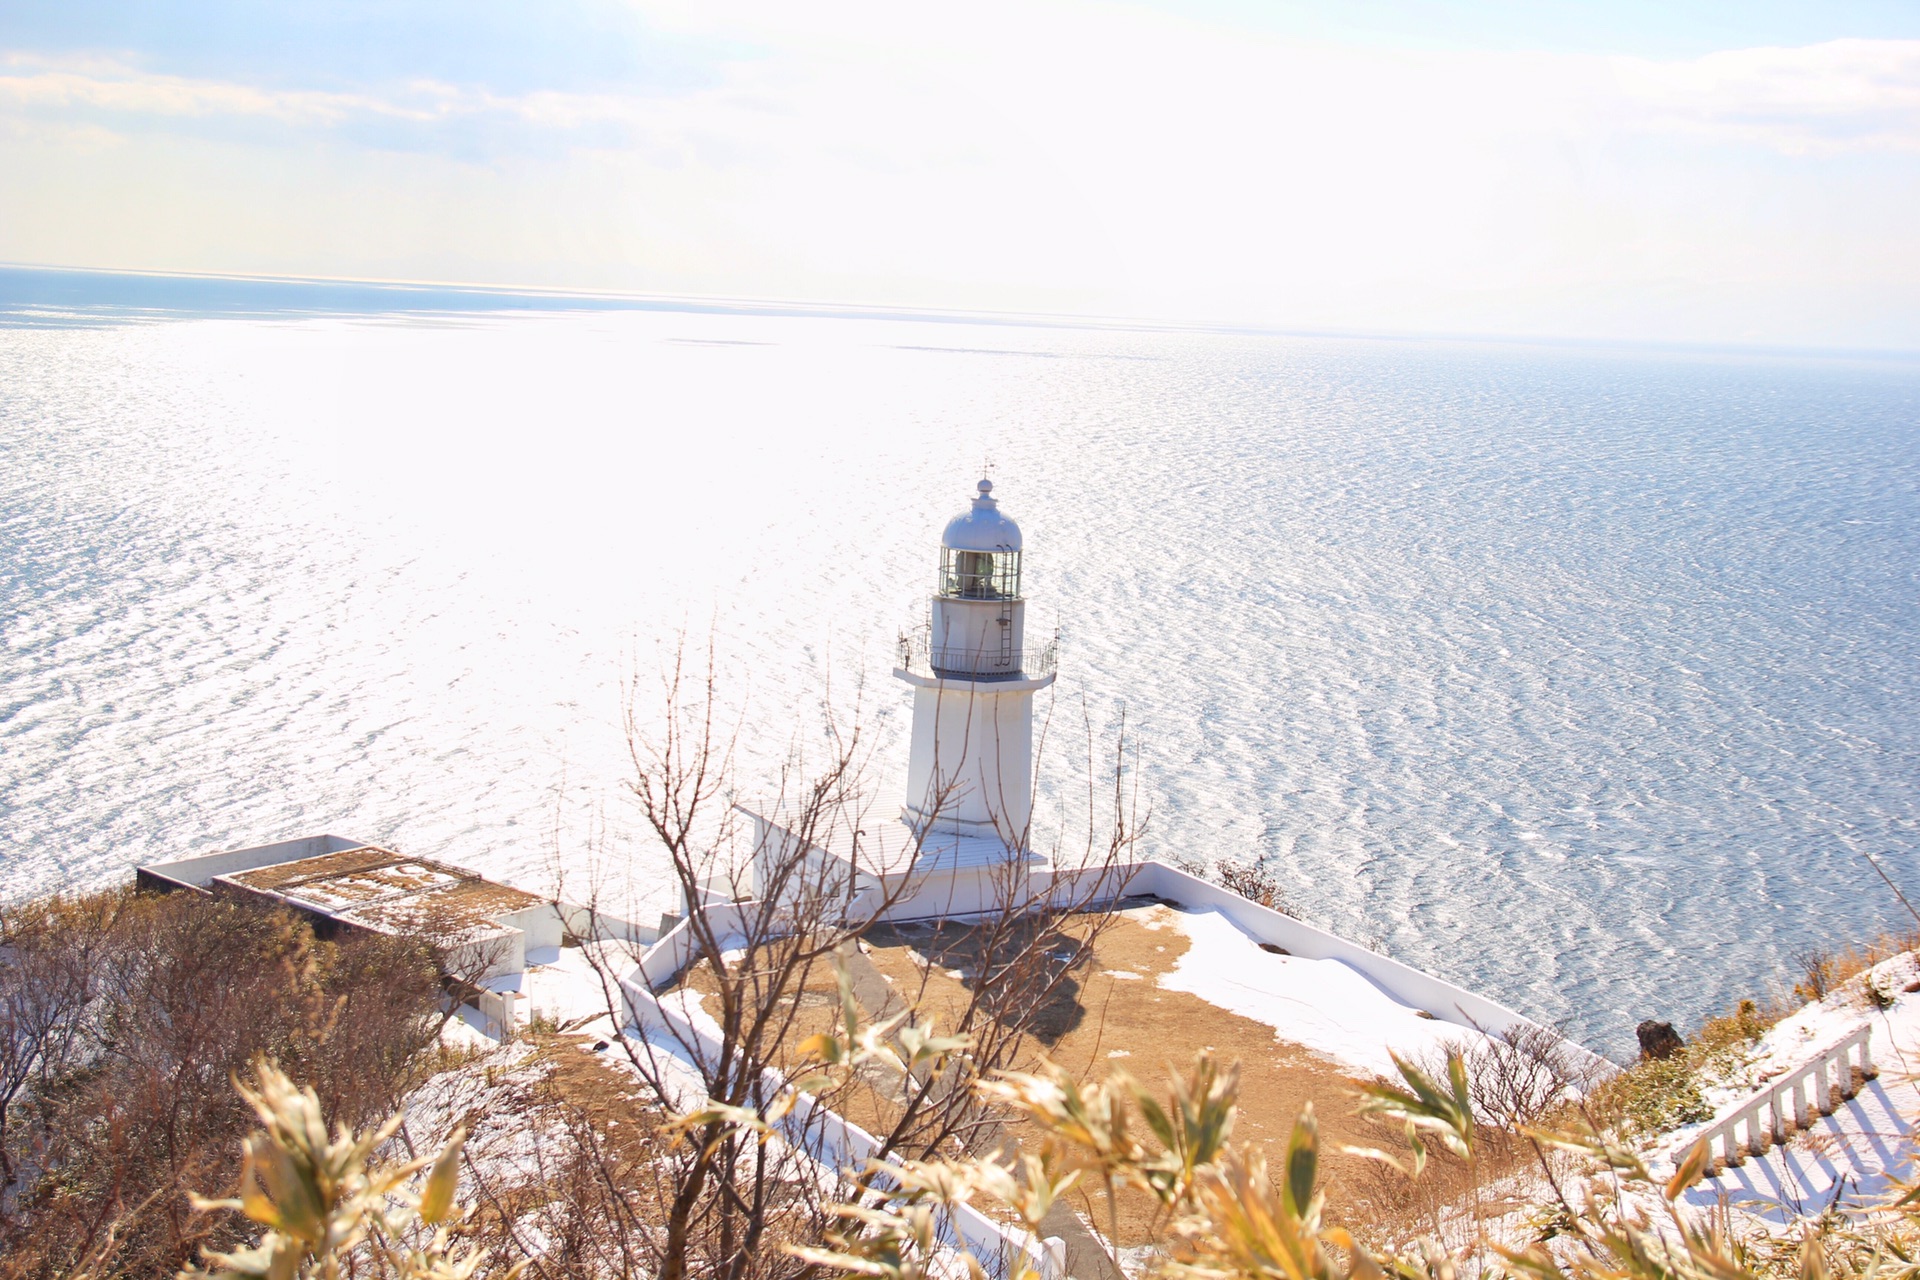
1097,887
598,926
842,1146
967,893
544,924
503,950
539,925
678,946
199,872
1445,1001
499,1011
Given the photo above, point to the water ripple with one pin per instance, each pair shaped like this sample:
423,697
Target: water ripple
1579,678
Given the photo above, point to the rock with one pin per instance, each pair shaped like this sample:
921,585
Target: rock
1275,948
1658,1039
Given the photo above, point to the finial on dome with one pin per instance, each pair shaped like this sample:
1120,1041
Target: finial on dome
983,526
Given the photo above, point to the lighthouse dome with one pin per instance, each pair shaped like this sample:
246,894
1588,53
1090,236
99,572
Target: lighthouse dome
982,527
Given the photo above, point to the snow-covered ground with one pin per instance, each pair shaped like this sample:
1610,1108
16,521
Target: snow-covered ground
489,1093
1325,1005
1848,1155
562,986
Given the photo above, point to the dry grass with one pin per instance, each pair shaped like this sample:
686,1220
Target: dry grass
1823,970
1655,1095
1109,1013
596,1190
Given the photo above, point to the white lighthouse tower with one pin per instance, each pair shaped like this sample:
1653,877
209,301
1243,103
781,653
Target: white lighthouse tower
960,848
970,768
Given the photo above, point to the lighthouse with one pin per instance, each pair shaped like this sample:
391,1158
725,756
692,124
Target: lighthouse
960,848
970,765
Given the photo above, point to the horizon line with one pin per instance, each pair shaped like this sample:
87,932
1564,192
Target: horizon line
825,309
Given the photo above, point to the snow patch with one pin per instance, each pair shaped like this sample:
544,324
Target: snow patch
1325,1005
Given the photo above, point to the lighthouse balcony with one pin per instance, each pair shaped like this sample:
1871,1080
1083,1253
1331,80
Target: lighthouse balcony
920,656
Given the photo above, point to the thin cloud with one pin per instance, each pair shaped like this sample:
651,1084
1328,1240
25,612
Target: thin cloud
1110,161
1841,95
47,85
421,115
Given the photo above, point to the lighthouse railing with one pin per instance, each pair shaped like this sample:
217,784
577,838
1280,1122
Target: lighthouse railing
919,655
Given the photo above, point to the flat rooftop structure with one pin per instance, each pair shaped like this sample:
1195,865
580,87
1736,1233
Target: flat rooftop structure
355,882
485,929
390,892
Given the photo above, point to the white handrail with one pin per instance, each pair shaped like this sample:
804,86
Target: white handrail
1829,1073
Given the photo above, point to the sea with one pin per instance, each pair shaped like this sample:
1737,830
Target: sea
1586,677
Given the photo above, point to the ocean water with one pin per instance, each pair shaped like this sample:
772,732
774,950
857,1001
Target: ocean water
1581,677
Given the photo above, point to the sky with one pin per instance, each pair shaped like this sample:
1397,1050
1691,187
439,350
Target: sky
1666,172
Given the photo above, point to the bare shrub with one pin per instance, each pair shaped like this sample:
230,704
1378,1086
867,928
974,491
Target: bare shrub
381,993
775,963
1251,880
1523,1074
1823,970
1819,970
51,955
182,992
1518,1078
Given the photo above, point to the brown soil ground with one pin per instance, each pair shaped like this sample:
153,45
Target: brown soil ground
1111,1013
1120,1017
592,1083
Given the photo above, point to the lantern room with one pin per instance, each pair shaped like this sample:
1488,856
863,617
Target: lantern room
980,552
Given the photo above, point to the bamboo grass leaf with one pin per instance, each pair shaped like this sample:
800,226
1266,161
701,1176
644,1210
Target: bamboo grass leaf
1691,1168
436,1201
1303,1162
